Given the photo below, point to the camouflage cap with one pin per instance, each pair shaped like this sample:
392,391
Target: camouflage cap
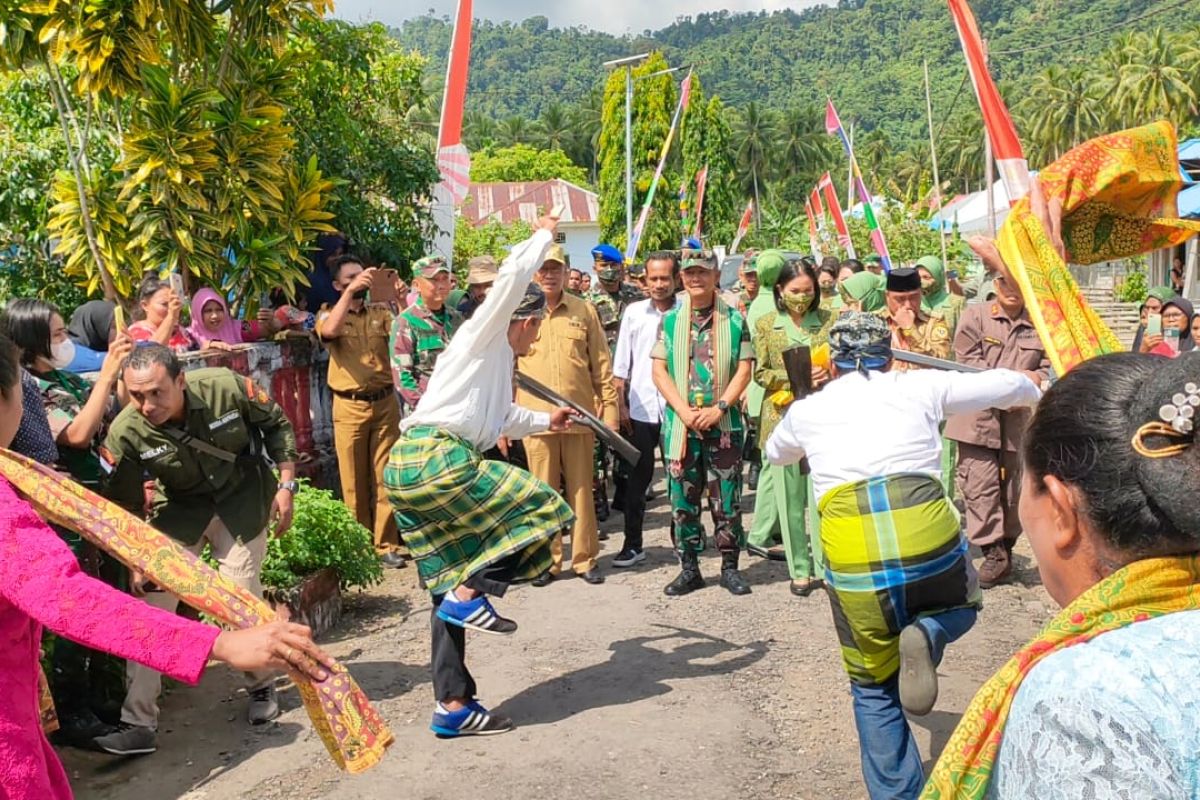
429,266
697,258
481,269
532,305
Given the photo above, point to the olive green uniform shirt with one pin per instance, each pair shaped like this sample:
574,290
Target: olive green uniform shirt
227,411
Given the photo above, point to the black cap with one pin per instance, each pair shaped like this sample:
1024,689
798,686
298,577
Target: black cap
904,279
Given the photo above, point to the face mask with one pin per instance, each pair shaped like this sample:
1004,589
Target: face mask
609,275
798,303
829,290
62,354
927,286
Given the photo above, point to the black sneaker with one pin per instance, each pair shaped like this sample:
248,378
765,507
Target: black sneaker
628,557
129,740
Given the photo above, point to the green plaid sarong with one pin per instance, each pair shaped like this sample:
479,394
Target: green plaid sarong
459,513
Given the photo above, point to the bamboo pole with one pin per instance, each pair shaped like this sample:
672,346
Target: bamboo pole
937,183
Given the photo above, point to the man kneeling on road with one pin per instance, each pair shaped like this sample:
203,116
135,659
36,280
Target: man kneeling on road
201,438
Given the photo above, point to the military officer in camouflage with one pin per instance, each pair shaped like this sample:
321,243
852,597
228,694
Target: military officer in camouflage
203,439
423,330
912,328
611,297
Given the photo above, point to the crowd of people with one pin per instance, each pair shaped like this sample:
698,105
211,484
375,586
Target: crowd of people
872,476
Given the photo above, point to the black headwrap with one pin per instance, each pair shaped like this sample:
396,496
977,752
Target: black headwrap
91,325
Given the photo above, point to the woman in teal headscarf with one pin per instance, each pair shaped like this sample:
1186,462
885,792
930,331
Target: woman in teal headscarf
863,291
936,299
783,505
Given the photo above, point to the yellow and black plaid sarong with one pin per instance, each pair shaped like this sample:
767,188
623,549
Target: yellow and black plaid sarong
894,553
459,513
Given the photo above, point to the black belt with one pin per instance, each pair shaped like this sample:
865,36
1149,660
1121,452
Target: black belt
363,397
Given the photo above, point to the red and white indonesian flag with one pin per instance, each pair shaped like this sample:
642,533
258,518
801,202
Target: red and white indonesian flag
743,227
454,162
835,211
1006,147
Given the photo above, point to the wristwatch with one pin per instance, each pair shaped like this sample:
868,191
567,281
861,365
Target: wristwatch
289,486
721,404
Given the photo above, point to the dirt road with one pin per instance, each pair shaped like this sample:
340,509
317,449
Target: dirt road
617,691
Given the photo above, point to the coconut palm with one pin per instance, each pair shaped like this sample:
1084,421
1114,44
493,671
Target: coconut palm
514,130
756,134
1153,84
803,145
553,128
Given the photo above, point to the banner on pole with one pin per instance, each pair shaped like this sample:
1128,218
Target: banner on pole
833,126
835,211
701,183
743,227
635,238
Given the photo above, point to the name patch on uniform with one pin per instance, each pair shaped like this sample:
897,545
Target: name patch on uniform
154,452
225,420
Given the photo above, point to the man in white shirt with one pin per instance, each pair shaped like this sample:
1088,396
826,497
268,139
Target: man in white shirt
901,584
474,526
638,399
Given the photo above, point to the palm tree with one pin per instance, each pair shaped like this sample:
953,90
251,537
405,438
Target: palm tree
1063,109
873,151
479,130
586,120
803,143
514,130
1153,85
553,129
961,151
756,133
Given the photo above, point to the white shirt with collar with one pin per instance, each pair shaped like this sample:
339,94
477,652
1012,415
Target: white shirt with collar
886,423
470,393
632,364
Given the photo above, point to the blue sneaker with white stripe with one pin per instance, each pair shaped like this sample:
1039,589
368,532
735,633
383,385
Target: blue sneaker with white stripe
473,720
477,614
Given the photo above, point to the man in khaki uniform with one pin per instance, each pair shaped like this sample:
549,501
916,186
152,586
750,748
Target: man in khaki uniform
991,335
912,328
571,356
201,438
366,415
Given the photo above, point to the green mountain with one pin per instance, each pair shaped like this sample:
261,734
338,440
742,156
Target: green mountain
866,54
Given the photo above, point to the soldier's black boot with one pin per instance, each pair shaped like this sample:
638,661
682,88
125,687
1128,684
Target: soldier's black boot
689,578
731,579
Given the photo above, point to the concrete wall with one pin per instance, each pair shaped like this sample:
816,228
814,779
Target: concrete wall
294,373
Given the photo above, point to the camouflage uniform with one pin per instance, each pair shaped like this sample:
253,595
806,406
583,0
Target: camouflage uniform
418,336
931,336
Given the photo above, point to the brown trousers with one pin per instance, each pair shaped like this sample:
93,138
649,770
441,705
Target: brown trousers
565,460
991,511
363,437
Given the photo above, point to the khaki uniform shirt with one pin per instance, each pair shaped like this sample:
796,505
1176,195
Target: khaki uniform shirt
571,356
987,337
224,410
931,337
359,358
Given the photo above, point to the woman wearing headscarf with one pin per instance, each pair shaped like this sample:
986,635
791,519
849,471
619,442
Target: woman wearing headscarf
1151,305
768,265
1103,702
783,501
1177,316
863,291
936,299
91,330
213,326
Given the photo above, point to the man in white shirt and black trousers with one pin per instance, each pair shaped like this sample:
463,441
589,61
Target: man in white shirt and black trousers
638,399
473,525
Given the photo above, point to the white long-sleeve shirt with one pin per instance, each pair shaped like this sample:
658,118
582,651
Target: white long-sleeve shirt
632,362
861,427
470,392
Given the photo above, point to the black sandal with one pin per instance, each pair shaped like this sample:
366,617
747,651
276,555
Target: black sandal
804,590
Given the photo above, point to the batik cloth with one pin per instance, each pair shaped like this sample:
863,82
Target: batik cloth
893,553
714,465
1119,199
1140,591
350,727
459,513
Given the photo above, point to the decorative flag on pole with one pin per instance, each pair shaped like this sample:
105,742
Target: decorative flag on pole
701,182
685,91
833,125
454,162
743,227
1006,146
835,210
683,207
813,236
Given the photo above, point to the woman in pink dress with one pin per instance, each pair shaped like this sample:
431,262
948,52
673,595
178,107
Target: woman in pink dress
159,309
41,585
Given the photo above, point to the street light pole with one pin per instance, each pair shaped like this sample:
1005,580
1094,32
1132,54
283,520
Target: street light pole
628,63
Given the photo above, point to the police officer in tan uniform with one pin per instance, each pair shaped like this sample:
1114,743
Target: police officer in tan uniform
366,415
991,335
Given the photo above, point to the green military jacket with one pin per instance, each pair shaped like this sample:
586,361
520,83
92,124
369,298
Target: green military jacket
227,411
610,308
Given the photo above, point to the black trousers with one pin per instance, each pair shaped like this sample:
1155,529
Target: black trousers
645,438
451,678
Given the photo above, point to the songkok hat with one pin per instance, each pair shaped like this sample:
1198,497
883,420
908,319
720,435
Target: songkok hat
533,304
904,279
698,258
557,255
429,266
481,269
860,341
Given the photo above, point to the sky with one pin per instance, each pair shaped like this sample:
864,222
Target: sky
614,16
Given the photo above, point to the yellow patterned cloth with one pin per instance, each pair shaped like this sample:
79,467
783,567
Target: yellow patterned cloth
1119,199
352,730
1140,591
